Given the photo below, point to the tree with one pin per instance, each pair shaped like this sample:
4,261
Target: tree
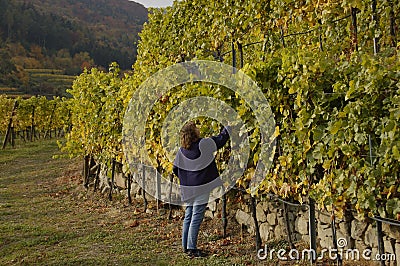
7,68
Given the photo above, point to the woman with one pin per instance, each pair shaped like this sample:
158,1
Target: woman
198,175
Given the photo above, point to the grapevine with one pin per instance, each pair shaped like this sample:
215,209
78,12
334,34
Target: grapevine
335,100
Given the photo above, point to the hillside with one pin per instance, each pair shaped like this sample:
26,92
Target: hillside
65,35
107,30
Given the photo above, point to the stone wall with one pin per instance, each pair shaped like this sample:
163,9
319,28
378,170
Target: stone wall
121,185
360,235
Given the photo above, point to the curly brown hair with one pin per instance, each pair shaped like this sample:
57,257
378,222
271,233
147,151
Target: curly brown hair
189,134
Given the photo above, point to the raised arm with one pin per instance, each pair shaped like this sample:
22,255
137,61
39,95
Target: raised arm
221,139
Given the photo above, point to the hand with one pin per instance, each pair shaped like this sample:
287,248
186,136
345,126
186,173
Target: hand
228,129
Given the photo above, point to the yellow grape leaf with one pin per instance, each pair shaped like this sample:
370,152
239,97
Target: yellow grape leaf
276,133
336,127
326,165
396,152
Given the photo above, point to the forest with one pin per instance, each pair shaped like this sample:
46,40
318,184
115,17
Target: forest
68,36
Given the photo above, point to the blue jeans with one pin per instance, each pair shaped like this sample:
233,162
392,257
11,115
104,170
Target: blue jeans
194,214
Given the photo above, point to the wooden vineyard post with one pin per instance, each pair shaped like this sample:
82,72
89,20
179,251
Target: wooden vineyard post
96,177
112,179
381,245
48,131
376,21
287,225
223,215
256,227
233,58
283,37
129,185
354,27
240,48
86,170
321,47
171,179
158,188
264,48
13,136
392,25
223,209
10,129
335,240
144,187
32,134
312,231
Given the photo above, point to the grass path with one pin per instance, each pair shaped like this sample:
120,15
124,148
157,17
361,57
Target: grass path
47,218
